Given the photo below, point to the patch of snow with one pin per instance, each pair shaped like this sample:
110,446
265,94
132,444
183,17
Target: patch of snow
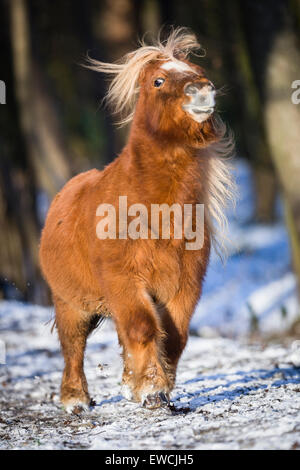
228,395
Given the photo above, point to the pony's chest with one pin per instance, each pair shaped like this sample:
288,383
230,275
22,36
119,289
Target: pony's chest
160,267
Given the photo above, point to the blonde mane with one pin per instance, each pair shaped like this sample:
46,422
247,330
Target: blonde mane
221,187
123,90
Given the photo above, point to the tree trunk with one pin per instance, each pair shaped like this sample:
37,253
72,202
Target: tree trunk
115,27
282,121
253,112
39,122
44,169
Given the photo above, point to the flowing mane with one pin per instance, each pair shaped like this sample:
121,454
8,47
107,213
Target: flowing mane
124,87
221,187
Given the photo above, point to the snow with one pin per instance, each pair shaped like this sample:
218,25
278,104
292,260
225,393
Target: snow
230,393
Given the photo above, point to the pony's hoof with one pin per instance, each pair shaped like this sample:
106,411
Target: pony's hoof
76,406
156,400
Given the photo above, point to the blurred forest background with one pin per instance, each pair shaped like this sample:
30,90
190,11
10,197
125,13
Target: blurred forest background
53,127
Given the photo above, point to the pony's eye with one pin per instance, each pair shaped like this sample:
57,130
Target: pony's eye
158,82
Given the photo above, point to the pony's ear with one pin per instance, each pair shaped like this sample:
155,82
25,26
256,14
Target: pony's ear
142,76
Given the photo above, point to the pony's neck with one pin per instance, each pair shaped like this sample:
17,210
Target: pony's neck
169,172
162,148
144,144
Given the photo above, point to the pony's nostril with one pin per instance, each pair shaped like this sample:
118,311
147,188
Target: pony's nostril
194,88
191,89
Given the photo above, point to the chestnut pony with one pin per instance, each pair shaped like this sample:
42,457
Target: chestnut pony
149,287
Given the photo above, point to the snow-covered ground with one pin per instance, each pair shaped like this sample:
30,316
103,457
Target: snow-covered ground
230,394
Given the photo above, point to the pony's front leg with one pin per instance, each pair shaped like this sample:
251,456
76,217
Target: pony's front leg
145,376
73,330
176,316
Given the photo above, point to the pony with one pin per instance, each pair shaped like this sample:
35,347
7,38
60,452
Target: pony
149,286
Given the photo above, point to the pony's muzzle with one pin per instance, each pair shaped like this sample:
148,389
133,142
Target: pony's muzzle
196,87
201,99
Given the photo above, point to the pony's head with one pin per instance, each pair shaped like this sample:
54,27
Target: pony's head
169,94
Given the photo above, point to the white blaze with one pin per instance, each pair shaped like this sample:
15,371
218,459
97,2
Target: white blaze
178,66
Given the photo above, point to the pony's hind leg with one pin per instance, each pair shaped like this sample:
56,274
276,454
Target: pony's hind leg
145,376
73,330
